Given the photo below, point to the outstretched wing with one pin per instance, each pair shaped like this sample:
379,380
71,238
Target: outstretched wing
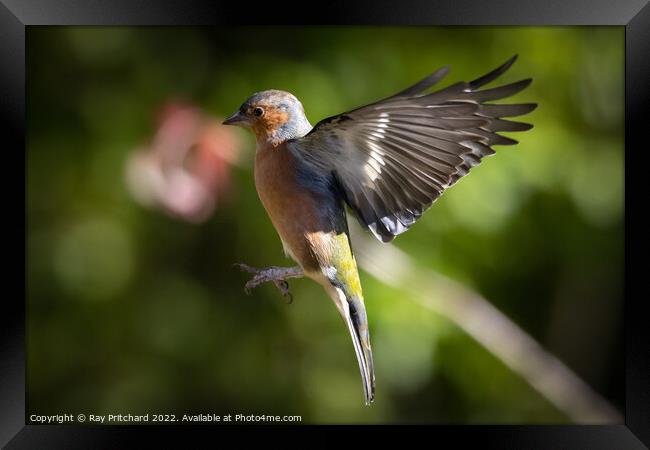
392,159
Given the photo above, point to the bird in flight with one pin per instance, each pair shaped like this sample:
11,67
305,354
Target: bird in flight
388,161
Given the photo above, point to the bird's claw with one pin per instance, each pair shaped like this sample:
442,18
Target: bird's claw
247,268
274,274
283,286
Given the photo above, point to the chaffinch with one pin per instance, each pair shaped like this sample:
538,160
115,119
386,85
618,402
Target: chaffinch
388,161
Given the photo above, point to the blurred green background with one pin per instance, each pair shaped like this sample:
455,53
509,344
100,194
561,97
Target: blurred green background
130,311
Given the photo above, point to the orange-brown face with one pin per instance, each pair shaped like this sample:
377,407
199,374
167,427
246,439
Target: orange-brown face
266,119
273,115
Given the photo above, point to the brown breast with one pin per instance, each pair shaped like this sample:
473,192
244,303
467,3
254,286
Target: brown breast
292,209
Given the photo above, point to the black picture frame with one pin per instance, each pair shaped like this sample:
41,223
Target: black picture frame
634,15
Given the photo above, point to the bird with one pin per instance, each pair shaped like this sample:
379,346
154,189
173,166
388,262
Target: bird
387,162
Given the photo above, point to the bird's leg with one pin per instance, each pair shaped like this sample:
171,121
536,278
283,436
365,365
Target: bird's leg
278,275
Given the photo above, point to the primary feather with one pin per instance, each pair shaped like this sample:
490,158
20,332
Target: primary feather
393,158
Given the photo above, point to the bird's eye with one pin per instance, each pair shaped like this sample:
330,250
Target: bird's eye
258,112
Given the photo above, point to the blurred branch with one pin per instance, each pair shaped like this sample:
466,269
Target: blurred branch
488,326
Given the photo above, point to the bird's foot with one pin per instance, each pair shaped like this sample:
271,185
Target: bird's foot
278,275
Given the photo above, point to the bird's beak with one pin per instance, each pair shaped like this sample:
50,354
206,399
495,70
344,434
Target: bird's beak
237,119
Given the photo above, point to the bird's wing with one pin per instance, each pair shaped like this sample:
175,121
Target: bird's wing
392,159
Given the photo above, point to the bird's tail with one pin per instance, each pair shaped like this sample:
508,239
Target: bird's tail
353,312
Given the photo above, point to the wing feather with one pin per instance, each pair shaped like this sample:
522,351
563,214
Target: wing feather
392,159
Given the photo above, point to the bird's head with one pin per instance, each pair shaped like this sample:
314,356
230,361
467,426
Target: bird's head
275,116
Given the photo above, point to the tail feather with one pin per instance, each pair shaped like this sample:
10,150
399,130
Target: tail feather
354,315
